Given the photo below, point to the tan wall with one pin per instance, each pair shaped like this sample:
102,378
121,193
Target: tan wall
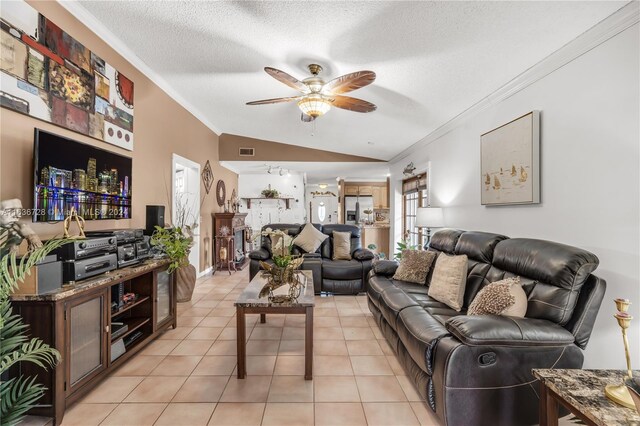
162,127
276,151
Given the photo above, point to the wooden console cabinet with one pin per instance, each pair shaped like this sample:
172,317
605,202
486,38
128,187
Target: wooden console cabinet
77,321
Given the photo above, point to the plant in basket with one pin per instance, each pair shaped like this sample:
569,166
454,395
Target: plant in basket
283,270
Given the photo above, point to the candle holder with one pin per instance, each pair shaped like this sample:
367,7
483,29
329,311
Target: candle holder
619,393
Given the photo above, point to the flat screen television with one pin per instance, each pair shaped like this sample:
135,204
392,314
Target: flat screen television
67,173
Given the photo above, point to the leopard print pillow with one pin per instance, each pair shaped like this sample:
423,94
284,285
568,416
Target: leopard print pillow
505,297
414,266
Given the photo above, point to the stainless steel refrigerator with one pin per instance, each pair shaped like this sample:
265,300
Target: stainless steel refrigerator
354,207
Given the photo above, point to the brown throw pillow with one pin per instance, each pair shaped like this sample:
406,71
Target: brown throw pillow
505,297
414,266
310,239
341,245
449,280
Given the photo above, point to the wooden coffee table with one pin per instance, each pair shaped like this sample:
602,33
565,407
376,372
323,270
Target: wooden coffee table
249,303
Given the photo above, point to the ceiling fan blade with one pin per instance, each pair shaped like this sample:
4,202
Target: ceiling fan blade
287,79
349,82
274,100
352,104
306,118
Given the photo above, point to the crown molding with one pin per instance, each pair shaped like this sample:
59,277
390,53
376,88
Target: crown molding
93,24
606,29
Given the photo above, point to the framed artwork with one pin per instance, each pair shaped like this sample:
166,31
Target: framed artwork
47,74
510,162
207,176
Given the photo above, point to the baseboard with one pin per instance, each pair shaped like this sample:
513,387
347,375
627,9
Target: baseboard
205,272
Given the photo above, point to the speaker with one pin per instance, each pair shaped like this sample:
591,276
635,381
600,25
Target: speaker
155,217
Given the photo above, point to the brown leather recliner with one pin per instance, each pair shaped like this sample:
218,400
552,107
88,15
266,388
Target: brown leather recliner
476,370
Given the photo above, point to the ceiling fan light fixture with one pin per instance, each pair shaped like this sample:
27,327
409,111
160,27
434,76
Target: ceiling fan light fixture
314,105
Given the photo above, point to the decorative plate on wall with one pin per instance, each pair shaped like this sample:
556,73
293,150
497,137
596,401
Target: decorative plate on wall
221,193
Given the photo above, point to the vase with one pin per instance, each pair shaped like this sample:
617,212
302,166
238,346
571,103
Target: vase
185,282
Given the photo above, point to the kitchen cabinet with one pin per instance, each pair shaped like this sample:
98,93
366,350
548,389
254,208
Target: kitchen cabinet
378,236
350,190
380,197
365,190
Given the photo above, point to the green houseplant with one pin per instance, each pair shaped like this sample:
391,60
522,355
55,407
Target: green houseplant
176,243
282,271
403,245
270,193
18,394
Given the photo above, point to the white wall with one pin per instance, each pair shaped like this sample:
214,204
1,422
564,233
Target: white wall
330,202
263,212
590,138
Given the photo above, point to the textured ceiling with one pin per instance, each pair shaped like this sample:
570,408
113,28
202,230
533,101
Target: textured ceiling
433,59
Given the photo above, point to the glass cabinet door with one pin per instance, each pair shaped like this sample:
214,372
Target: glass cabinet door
86,339
163,300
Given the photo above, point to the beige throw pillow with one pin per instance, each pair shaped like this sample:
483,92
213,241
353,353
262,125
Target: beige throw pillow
449,280
341,245
505,297
310,239
414,266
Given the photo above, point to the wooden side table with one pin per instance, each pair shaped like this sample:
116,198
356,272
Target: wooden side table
582,393
228,242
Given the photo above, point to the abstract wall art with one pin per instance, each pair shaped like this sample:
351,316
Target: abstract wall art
510,162
47,74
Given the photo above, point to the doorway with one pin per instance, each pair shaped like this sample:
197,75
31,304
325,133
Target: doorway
185,203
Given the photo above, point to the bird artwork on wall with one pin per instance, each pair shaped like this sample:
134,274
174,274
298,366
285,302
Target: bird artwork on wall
408,171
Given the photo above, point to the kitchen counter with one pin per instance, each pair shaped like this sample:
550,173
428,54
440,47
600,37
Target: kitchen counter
375,226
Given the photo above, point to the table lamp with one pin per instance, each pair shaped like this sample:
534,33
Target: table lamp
429,217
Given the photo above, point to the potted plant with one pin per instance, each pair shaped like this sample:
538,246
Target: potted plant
19,393
403,245
270,193
176,242
282,272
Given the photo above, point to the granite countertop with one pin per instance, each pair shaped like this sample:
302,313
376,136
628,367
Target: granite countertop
584,389
376,225
93,282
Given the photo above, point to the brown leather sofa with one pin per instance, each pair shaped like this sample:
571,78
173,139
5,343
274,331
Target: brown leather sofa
476,370
331,276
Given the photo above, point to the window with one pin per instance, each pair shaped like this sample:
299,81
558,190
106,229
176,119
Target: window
414,195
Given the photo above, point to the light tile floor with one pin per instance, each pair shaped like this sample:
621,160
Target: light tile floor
187,376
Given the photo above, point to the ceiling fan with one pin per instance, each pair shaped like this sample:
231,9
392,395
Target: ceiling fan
318,97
